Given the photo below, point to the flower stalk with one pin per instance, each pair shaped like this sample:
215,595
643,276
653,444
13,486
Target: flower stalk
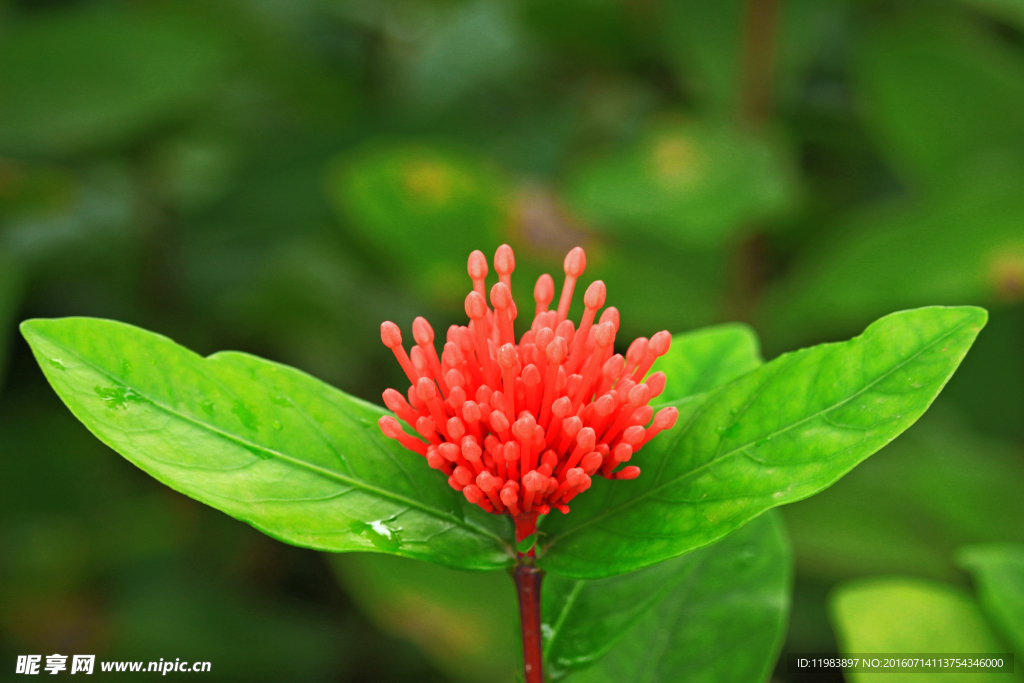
528,579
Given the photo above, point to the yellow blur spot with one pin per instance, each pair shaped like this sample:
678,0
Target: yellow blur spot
673,161
430,182
1006,276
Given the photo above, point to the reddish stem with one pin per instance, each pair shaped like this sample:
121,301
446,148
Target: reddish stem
526,524
528,578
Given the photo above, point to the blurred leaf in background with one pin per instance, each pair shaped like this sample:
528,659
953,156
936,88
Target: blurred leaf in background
961,243
464,621
409,201
704,42
904,615
96,77
908,509
940,91
687,184
998,571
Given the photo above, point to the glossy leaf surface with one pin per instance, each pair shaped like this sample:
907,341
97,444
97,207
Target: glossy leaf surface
676,621
704,359
998,571
263,442
776,435
905,615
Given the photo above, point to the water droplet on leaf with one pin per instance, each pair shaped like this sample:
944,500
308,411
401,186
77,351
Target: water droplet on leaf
245,416
382,536
118,397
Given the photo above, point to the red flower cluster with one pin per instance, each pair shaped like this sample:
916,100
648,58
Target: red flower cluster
522,428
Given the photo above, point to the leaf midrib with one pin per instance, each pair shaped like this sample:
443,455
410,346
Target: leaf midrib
328,474
738,449
556,630
671,584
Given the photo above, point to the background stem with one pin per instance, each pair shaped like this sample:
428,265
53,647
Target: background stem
528,578
760,28
757,65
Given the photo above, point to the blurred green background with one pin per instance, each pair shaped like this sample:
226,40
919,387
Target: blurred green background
279,176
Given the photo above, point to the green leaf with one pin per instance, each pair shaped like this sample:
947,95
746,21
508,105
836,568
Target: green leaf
716,614
463,622
265,443
422,208
908,509
939,91
106,78
1011,11
527,543
998,571
704,359
691,185
904,615
778,434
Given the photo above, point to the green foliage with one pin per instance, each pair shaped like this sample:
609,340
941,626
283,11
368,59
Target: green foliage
689,184
940,92
1010,10
678,619
998,572
263,442
780,433
704,43
903,615
656,288
465,622
907,510
406,201
257,423
236,175
278,640
705,359
902,254
91,77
